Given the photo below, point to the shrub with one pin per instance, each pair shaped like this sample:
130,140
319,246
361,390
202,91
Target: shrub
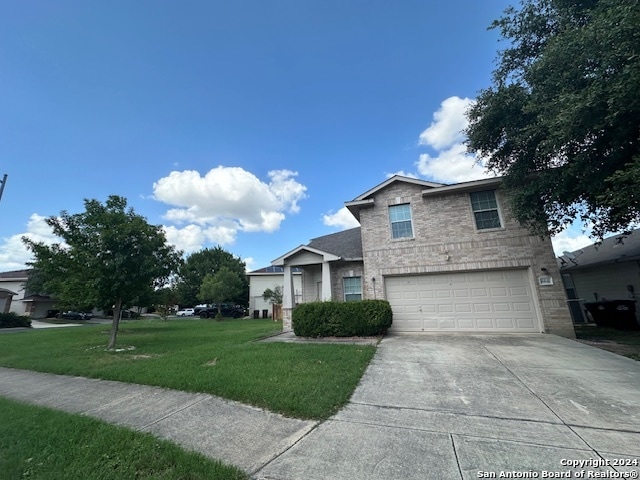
10,320
342,319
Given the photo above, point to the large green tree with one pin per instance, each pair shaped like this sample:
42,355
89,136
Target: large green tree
221,287
109,256
561,121
209,261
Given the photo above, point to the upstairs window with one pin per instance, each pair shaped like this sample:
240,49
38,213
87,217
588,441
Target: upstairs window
485,209
352,289
400,216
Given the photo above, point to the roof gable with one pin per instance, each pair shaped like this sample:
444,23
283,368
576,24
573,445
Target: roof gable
394,179
344,245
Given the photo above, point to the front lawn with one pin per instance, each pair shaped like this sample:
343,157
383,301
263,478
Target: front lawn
310,381
45,444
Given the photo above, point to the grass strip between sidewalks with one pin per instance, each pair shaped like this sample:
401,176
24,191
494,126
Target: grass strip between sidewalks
311,381
45,444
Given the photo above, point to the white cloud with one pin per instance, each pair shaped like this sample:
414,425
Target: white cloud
569,241
450,162
224,201
448,124
250,263
451,166
14,255
188,239
342,219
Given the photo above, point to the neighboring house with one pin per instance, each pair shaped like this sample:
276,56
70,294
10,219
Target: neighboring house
14,298
609,270
447,258
270,277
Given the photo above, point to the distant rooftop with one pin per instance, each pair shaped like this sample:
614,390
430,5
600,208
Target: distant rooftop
272,270
615,249
15,274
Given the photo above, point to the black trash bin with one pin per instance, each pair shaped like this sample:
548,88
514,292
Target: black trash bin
265,313
256,314
614,313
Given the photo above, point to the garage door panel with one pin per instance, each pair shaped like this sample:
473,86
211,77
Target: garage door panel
427,309
446,308
471,301
525,323
466,324
447,323
485,324
499,291
463,308
515,291
506,323
410,295
481,307
522,307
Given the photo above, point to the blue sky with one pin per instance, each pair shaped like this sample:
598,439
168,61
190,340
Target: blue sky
245,124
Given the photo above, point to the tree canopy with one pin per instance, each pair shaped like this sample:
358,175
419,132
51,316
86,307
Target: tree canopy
209,261
561,121
221,287
109,256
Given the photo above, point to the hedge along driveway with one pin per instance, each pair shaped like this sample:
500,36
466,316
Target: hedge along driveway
342,319
221,358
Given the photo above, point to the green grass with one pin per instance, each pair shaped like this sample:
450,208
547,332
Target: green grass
45,444
629,338
300,380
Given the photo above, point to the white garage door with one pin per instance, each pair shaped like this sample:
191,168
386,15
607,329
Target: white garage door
488,301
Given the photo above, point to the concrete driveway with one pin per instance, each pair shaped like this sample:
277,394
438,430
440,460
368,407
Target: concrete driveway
478,406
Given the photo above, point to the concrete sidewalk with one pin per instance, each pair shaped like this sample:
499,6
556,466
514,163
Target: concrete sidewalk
428,407
237,434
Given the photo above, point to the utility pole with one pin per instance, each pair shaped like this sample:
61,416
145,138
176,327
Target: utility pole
2,184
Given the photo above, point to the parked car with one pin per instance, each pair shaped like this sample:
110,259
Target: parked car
226,309
186,312
71,315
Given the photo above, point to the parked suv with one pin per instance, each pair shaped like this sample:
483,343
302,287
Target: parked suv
226,309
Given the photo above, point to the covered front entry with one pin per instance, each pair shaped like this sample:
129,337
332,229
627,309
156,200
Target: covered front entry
480,301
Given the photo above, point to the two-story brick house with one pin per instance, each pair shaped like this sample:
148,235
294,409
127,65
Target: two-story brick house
447,257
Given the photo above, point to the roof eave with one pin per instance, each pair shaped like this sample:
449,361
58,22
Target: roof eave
570,268
397,178
326,256
355,206
463,187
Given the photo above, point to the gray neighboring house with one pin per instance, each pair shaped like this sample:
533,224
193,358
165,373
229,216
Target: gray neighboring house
609,270
448,258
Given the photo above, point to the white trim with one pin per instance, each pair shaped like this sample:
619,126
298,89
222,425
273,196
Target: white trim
484,184
326,256
397,178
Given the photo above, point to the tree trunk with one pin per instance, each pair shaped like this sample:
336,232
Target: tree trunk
114,325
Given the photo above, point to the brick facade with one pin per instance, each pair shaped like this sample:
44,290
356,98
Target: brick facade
446,240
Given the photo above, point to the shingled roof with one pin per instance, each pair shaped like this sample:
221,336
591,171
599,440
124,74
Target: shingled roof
615,249
15,274
346,244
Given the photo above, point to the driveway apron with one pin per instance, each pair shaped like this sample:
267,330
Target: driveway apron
478,406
